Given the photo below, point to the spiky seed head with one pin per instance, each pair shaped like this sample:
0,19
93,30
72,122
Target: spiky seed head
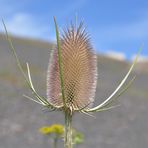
79,67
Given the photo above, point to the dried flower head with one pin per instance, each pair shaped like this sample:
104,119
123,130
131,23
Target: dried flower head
79,70
72,74
71,78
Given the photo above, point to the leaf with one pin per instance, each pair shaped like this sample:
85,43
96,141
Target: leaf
28,80
117,89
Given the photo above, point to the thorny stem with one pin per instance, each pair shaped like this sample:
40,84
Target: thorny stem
68,129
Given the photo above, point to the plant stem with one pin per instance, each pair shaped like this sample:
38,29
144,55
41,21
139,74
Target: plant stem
68,129
55,140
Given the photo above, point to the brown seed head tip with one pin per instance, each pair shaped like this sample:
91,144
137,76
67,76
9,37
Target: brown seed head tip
79,67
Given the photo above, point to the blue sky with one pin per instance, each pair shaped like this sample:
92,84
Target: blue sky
114,25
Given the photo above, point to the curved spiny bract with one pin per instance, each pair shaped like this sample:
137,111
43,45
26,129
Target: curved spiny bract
79,70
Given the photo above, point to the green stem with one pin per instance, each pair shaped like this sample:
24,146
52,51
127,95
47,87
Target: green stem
60,63
68,129
55,140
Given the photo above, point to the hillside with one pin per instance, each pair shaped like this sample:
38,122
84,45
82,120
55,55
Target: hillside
125,126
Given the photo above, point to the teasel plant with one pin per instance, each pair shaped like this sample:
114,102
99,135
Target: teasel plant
72,77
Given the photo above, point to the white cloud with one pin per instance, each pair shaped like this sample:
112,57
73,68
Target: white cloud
22,24
141,59
115,55
21,21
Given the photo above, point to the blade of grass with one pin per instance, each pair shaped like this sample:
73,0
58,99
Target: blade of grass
28,80
32,99
29,76
107,108
60,62
40,99
114,98
14,53
119,86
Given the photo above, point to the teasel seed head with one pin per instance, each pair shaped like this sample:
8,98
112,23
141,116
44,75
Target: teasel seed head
79,69
72,74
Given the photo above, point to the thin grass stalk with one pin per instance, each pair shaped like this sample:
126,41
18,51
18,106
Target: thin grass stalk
60,63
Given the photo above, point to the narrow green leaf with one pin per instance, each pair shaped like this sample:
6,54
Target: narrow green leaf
107,108
27,79
87,113
107,105
32,99
60,62
14,52
117,89
29,76
40,99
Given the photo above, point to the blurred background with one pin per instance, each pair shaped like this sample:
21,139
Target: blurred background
117,29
